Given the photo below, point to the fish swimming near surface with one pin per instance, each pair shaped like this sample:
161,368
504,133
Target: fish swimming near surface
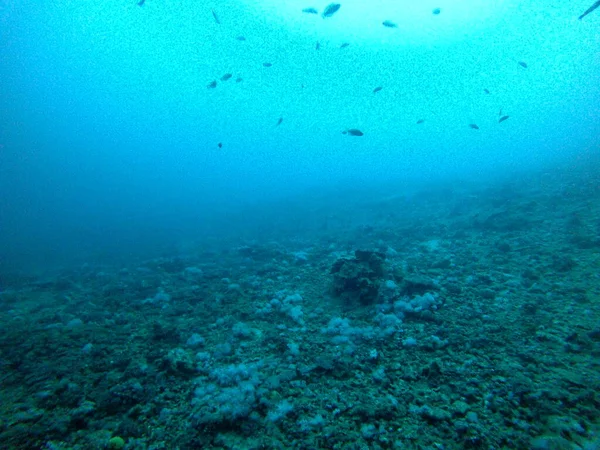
389,24
420,121
474,126
212,84
226,77
279,121
141,2
377,89
523,64
353,132
310,11
241,38
215,16
589,10
487,91
239,80
267,64
220,145
502,119
331,9
436,11
344,45
317,45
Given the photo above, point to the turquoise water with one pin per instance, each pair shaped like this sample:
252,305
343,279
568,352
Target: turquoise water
254,173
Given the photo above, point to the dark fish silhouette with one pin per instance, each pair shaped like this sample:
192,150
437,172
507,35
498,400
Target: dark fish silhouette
475,127
241,38
331,9
226,77
220,145
215,16
436,11
267,64
487,91
310,11
420,121
238,79
589,10
377,89
503,118
141,3
279,121
317,45
353,132
344,45
212,84
389,24
523,64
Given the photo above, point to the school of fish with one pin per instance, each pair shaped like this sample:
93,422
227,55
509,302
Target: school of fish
329,11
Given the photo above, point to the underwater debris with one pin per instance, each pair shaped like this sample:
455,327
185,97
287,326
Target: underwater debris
353,132
310,11
226,77
212,84
377,89
331,9
523,64
436,11
344,45
267,64
474,126
420,121
215,16
503,118
589,10
279,121
389,24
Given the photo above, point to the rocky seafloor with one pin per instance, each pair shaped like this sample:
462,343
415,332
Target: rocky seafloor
459,316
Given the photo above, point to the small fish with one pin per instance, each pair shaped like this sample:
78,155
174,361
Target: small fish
317,45
503,118
487,91
267,64
241,38
220,145
377,89
589,10
500,112
212,84
475,127
215,16
420,121
353,132
344,45
141,2
310,11
436,11
239,80
331,9
226,77
523,64
389,24
279,121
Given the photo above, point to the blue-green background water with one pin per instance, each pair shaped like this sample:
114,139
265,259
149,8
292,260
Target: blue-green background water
109,133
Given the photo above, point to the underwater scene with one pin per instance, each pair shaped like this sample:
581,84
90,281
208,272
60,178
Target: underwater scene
294,224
